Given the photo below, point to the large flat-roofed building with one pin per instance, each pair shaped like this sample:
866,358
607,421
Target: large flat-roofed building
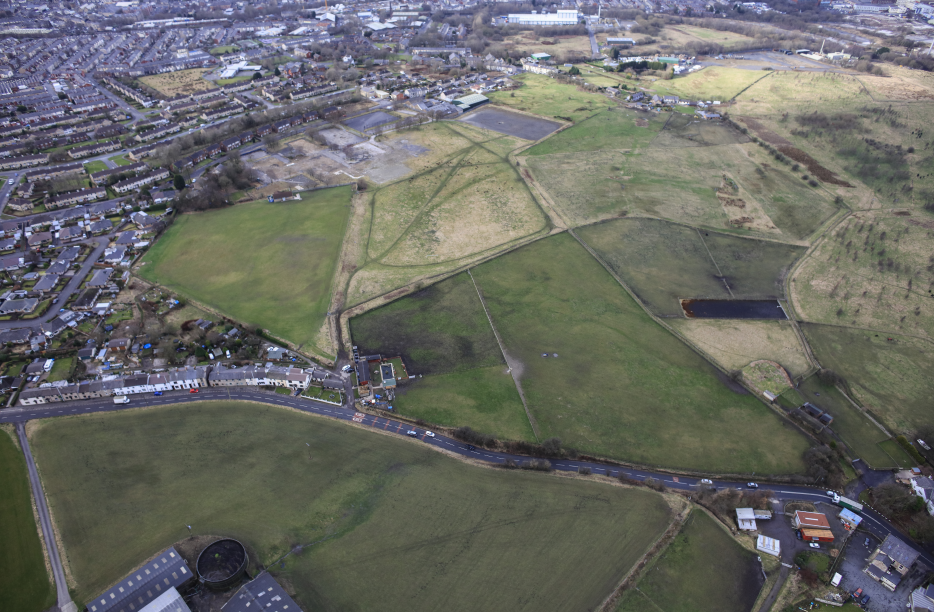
263,593
562,17
167,571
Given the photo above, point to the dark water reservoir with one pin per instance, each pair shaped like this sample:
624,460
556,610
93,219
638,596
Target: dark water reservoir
733,309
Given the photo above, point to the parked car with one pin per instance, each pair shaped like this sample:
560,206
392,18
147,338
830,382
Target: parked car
751,485
798,535
346,368
430,434
192,390
412,433
831,494
864,600
157,393
866,543
814,545
857,593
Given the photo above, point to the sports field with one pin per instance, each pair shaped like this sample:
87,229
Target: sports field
889,374
264,264
621,385
25,585
702,569
664,262
387,523
542,95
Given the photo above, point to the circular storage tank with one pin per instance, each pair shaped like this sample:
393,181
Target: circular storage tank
222,563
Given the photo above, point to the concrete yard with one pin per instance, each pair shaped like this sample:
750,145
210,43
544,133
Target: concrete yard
513,124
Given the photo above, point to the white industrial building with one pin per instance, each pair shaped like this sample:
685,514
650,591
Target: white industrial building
231,71
562,17
769,546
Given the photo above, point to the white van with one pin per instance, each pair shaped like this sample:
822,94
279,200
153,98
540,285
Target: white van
121,399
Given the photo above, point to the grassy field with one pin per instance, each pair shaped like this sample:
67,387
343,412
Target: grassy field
621,386
427,531
873,271
701,174
611,129
702,569
172,84
237,79
485,399
735,343
94,166
664,262
25,585
60,369
264,264
120,160
221,50
889,374
544,96
467,202
711,83
437,330
560,47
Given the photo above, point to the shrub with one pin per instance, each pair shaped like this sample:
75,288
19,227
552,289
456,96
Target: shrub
655,484
539,465
584,470
911,450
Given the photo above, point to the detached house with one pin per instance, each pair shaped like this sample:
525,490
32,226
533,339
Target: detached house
891,562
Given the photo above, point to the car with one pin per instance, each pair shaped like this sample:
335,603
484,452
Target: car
157,393
814,545
471,447
412,433
831,494
857,593
346,368
798,534
192,390
10,182
706,481
866,543
864,600
430,434
751,485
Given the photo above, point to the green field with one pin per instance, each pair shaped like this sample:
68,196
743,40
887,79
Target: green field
889,374
664,262
622,386
120,160
545,96
485,399
238,79
610,129
702,569
264,264
221,50
388,524
94,166
25,585
711,83
60,369
439,329
898,454
859,433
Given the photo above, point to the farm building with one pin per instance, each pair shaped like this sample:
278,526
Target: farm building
620,41
769,546
166,572
363,373
169,601
262,593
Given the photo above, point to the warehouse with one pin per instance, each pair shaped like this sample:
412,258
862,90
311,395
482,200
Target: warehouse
562,17
166,571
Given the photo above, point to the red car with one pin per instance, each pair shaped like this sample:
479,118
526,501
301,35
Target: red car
192,390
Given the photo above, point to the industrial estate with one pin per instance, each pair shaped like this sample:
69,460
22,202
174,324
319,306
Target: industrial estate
609,306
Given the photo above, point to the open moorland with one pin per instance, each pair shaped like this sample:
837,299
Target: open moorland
180,82
682,169
621,386
268,265
24,582
665,262
426,530
703,569
467,204
887,373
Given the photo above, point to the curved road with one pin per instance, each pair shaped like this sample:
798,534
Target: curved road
874,522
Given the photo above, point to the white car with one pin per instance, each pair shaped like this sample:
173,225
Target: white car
706,481
346,368
814,545
430,434
751,485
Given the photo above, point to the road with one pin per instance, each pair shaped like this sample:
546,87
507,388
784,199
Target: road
116,99
71,287
594,47
873,521
45,523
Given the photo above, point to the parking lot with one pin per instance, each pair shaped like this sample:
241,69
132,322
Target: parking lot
513,124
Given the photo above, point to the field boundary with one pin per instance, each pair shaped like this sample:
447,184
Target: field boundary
499,341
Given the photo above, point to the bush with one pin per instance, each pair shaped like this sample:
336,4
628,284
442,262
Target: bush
911,450
539,465
584,471
655,484
468,435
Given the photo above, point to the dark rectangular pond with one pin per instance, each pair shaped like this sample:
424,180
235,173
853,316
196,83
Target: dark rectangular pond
733,309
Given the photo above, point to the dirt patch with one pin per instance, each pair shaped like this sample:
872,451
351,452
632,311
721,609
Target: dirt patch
732,202
642,123
741,221
813,166
765,134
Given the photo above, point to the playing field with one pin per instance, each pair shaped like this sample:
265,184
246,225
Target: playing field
702,569
172,84
621,386
665,262
889,374
387,524
264,264
25,585
542,95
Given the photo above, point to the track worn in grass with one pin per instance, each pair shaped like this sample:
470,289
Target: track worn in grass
264,264
622,386
390,524
702,569
24,583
